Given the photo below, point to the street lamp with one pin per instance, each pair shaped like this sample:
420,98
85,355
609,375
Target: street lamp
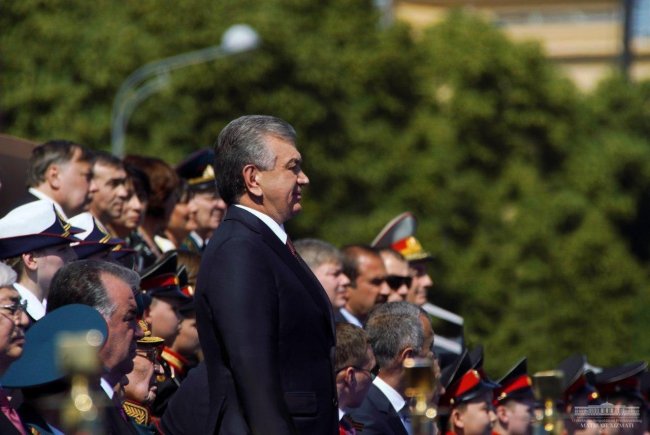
151,77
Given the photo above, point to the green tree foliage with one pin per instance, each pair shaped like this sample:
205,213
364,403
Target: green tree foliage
533,197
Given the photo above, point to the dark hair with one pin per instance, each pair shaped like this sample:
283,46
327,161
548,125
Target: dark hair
351,254
52,152
107,159
351,346
80,282
140,182
243,142
163,181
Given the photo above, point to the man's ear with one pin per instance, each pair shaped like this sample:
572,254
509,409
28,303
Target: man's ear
502,414
457,418
251,176
29,261
52,176
345,376
406,353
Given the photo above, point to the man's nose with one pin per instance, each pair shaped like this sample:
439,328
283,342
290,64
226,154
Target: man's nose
92,187
302,178
122,192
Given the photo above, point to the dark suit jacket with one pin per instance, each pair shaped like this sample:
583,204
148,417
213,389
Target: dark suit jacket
266,329
188,410
6,426
377,415
338,317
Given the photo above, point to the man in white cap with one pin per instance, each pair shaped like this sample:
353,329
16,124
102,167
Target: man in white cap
35,242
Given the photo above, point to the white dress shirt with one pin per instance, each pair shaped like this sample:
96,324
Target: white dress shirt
277,229
35,308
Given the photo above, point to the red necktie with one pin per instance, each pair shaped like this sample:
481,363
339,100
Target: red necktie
292,249
11,413
346,427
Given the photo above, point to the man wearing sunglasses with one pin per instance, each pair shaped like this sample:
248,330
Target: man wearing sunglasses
399,277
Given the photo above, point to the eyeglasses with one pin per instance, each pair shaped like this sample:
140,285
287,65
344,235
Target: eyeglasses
372,372
15,309
396,281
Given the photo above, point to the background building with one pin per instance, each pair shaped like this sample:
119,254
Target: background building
585,37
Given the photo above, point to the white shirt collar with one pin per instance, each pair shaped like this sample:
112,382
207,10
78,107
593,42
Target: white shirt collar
341,414
395,398
198,239
107,388
350,317
273,225
41,195
35,308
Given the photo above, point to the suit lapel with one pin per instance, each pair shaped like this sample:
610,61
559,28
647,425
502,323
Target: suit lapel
302,271
383,406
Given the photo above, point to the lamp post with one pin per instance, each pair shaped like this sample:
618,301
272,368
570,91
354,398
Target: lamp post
152,76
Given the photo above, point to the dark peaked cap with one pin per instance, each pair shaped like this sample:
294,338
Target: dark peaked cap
623,380
516,384
462,382
578,388
198,171
160,280
399,235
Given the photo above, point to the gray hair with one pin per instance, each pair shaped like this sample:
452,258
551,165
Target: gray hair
390,333
401,308
7,275
53,152
316,252
243,142
80,282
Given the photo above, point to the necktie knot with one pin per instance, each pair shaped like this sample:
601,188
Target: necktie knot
10,413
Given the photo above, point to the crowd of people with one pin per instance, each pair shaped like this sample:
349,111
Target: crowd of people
198,313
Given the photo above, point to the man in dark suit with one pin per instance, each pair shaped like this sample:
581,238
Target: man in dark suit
113,291
395,332
264,321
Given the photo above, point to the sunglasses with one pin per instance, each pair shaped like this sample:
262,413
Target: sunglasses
396,281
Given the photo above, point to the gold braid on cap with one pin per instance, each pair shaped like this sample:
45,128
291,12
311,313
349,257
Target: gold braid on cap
207,175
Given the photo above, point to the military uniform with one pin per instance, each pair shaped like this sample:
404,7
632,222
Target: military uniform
197,169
